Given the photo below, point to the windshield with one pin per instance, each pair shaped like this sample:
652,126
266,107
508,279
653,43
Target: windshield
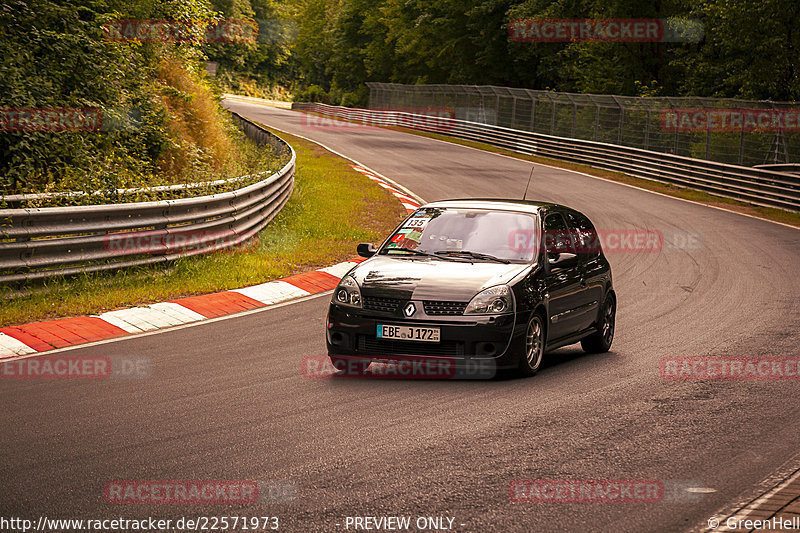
447,231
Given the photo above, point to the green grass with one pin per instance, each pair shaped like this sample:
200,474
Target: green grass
778,215
332,209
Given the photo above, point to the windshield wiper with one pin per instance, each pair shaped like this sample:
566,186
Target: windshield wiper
420,253
476,255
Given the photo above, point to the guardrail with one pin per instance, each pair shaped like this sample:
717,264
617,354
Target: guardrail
253,100
762,187
44,242
791,168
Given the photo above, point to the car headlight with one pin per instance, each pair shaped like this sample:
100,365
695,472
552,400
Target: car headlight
347,292
491,301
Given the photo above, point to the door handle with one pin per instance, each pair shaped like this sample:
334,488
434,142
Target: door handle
583,282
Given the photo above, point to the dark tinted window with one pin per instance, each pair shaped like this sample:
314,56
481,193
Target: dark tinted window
557,238
585,235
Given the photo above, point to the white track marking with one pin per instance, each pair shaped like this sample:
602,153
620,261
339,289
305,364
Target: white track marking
118,322
272,292
180,313
133,320
11,347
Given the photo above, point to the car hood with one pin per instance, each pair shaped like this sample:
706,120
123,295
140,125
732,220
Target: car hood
430,279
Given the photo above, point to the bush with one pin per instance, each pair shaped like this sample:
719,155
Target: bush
312,93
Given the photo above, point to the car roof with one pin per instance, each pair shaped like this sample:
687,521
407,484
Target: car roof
524,206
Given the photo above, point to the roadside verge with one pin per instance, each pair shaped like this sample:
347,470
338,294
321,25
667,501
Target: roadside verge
32,338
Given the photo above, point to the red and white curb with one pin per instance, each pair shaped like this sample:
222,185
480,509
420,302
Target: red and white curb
27,339
408,202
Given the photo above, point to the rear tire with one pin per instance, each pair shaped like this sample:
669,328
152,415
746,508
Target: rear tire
530,359
600,342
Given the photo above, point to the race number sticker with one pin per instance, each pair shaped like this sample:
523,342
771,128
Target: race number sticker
416,223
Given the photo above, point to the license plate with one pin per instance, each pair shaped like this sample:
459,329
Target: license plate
408,333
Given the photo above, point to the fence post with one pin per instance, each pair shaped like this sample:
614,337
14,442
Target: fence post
741,145
596,119
497,107
383,95
574,115
513,111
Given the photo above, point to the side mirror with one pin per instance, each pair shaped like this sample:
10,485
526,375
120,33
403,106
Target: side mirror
366,249
562,260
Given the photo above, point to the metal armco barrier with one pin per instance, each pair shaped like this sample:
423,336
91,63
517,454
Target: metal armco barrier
762,187
39,243
792,168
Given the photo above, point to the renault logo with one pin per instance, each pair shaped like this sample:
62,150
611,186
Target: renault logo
410,309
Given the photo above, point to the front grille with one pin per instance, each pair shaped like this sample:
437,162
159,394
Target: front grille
387,305
444,308
373,346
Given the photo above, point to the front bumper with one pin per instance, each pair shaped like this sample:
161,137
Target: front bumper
352,333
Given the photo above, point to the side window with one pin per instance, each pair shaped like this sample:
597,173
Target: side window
556,235
586,239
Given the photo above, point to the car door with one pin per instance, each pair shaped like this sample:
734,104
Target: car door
562,279
590,269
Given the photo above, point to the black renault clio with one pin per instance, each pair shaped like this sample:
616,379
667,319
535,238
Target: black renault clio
494,281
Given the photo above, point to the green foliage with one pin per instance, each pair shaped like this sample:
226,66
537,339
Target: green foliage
749,50
161,120
313,93
265,61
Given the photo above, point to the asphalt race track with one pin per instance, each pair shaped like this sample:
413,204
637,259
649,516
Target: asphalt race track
226,399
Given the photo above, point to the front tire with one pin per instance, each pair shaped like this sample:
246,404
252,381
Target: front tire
533,348
600,342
